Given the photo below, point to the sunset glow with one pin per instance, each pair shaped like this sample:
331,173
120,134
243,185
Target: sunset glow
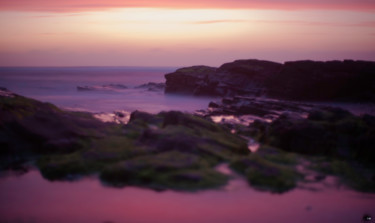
52,33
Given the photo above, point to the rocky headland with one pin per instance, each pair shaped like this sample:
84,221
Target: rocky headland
346,80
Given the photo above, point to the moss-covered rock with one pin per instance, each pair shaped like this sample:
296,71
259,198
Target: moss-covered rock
172,169
345,140
331,132
351,173
42,127
268,172
167,150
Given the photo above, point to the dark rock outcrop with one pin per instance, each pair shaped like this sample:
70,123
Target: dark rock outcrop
245,77
300,80
332,132
240,105
106,87
29,126
152,86
191,80
326,81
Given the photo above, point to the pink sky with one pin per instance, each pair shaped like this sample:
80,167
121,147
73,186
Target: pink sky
79,5
181,33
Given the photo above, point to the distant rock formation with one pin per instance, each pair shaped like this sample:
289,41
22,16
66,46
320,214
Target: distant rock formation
332,80
107,87
299,80
152,86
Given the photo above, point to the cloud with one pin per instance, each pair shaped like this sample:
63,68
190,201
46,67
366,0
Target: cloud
93,5
313,23
219,21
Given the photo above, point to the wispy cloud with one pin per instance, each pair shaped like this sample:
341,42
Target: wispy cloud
57,15
56,33
314,23
219,21
92,5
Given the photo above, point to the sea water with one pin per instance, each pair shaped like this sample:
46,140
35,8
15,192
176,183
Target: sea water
31,199
59,86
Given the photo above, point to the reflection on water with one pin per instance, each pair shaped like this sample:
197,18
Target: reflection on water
30,198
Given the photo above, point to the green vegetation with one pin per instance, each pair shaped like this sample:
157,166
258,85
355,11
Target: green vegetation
176,170
269,169
351,173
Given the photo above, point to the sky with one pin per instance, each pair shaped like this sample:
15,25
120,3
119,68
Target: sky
183,33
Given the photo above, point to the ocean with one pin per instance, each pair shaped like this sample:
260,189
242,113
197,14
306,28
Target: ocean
58,85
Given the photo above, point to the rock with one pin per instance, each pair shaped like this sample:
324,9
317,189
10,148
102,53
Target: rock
246,77
195,178
266,175
227,101
169,150
299,80
29,128
328,81
255,108
173,170
142,116
6,93
330,132
180,151
190,80
151,86
213,105
239,77
107,87
86,88
319,177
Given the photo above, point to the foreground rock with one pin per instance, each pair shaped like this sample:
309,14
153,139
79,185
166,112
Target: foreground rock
338,142
332,131
334,141
300,80
168,150
252,108
29,127
174,150
269,169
